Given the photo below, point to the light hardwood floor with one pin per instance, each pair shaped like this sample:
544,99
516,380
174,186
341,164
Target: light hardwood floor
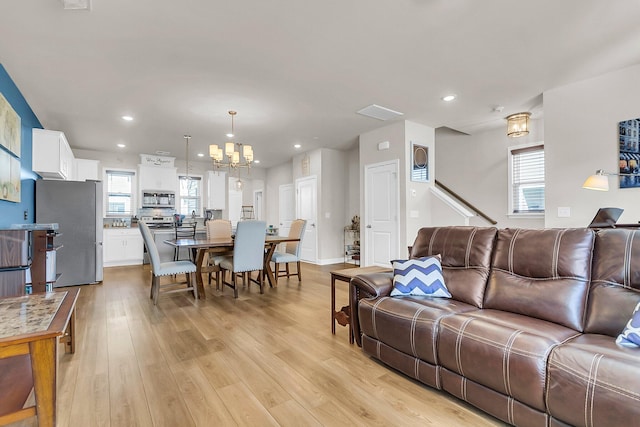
253,361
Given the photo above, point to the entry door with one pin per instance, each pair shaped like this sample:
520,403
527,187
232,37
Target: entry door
306,208
381,219
286,208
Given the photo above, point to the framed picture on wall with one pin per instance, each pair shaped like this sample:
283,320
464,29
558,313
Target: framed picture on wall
10,127
419,162
629,152
9,177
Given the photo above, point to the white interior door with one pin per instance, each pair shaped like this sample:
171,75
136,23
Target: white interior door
286,208
235,203
257,204
381,219
306,208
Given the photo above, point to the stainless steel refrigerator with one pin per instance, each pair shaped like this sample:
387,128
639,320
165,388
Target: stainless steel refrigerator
77,208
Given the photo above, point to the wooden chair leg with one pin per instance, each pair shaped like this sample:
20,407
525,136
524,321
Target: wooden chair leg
299,274
191,279
287,267
277,273
235,285
261,280
156,289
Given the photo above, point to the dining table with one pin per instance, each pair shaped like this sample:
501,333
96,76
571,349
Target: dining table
201,247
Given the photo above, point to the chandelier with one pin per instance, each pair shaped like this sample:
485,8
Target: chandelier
518,124
229,158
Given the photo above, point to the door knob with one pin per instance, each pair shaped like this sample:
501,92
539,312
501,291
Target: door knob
368,226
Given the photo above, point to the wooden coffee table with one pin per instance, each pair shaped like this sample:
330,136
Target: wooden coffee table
343,316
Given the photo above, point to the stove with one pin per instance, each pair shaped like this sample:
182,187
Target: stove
158,221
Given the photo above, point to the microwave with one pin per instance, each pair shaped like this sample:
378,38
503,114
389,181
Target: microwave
158,199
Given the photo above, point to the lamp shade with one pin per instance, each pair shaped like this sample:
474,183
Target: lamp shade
229,148
518,124
235,159
213,151
597,182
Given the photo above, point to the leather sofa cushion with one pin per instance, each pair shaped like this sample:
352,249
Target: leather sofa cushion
503,351
542,273
615,284
465,257
408,324
591,380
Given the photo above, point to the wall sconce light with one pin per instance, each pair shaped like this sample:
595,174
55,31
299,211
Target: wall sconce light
518,124
600,181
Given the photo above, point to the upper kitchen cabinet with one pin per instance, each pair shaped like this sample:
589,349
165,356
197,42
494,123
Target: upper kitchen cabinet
157,173
86,169
52,156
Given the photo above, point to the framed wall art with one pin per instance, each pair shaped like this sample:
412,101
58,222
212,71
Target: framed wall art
419,162
10,127
9,177
629,152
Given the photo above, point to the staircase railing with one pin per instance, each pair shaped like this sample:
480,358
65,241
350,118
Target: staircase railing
466,203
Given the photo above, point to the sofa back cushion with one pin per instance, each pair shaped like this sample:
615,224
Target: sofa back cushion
542,274
465,254
615,281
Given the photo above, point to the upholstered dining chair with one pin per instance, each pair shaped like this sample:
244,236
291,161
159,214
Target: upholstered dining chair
217,229
171,268
291,253
248,255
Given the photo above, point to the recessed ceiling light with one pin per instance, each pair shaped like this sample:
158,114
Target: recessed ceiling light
127,118
448,98
121,145
229,135
200,155
297,146
256,161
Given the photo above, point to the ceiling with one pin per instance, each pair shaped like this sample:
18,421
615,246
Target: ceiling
297,71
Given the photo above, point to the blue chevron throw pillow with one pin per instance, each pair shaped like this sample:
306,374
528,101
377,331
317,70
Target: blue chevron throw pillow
419,276
630,336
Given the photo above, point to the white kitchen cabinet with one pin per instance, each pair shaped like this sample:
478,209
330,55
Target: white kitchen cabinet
157,178
217,190
122,247
52,157
86,169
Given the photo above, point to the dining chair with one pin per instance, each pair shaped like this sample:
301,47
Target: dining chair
248,255
184,231
292,251
217,229
170,268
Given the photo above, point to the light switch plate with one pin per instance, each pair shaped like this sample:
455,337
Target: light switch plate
564,212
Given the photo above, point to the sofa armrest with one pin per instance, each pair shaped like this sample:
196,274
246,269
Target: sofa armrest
370,285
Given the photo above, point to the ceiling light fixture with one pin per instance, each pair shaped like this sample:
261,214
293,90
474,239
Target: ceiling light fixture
127,118
232,151
297,146
76,4
121,145
200,155
448,98
518,124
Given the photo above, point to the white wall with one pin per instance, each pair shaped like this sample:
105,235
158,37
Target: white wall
417,195
476,168
331,207
275,177
352,195
581,127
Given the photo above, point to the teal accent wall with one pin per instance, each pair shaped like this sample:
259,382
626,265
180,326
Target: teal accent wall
13,213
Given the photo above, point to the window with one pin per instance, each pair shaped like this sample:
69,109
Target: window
189,195
119,193
526,179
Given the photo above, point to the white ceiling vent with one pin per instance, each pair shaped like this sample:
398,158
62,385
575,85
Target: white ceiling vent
380,113
76,4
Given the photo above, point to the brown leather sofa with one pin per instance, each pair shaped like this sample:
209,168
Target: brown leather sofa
529,333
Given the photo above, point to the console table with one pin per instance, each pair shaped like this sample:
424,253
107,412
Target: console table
343,317
29,330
